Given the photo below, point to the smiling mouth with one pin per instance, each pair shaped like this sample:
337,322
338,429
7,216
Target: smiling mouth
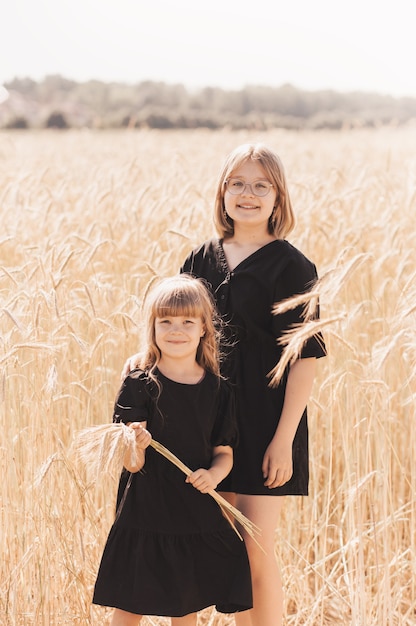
248,206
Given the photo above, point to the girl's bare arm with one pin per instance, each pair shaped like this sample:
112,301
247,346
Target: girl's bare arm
277,463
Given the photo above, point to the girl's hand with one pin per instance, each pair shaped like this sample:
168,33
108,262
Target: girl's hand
133,462
143,437
131,364
277,465
202,480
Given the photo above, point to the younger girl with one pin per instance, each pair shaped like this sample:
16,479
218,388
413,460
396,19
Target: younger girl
170,551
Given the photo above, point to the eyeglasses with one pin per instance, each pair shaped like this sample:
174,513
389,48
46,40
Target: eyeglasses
236,186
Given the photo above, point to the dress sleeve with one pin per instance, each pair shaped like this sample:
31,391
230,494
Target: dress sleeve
133,401
225,431
203,263
299,277
187,267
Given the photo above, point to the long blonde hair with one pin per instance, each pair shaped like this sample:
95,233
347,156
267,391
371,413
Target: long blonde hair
282,220
177,296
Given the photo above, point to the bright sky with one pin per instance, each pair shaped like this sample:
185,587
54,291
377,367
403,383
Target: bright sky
366,45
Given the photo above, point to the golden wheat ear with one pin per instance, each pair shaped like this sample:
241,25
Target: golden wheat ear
102,449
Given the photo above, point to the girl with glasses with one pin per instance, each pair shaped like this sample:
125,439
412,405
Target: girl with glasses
249,268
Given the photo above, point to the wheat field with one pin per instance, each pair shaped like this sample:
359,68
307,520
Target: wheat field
87,220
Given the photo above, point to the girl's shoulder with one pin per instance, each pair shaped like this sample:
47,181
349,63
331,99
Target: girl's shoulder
218,384
294,252
141,379
138,374
284,247
207,260
296,258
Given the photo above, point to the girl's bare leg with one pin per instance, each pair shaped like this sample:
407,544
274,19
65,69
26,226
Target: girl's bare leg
267,608
123,618
186,620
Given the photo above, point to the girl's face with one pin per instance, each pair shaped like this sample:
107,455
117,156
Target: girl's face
246,208
178,336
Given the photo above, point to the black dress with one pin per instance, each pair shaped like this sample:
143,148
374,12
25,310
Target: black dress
244,298
171,551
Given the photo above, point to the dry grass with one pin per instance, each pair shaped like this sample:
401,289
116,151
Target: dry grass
86,221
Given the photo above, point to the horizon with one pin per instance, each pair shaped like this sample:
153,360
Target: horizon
191,89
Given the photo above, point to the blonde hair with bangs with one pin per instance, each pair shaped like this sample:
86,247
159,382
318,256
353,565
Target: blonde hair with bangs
283,220
177,296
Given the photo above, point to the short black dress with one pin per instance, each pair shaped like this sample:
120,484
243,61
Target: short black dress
171,551
244,298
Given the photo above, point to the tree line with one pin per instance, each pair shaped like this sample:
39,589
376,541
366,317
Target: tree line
57,102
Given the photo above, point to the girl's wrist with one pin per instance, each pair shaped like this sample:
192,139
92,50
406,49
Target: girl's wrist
282,439
216,475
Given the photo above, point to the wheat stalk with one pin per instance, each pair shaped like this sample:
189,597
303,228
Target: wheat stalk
102,449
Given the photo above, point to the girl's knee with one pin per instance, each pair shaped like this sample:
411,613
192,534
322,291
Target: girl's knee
124,618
